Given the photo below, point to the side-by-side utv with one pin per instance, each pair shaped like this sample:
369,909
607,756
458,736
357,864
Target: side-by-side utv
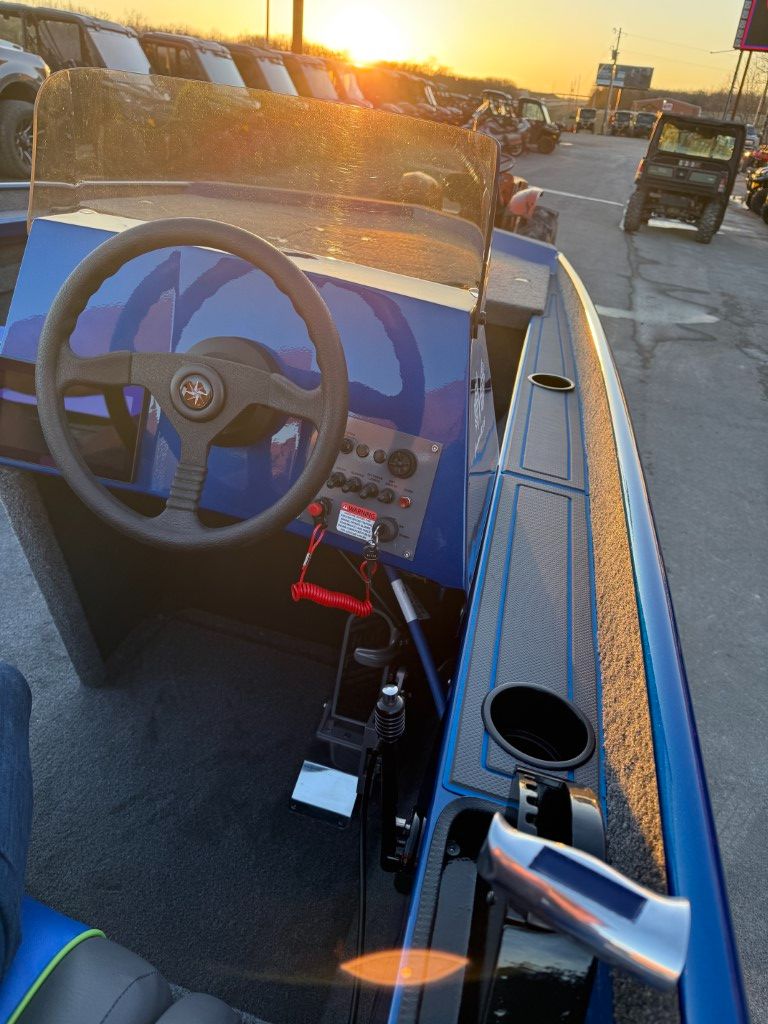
687,174
329,562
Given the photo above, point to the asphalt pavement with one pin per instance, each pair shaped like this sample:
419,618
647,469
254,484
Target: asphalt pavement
687,326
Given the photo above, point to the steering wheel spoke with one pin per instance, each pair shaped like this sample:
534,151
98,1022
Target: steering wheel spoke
183,500
287,397
107,371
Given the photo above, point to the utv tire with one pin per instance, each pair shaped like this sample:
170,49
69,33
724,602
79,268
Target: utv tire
16,138
542,225
756,201
547,145
633,215
709,222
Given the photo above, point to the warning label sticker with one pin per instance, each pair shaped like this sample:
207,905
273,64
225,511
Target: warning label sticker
355,521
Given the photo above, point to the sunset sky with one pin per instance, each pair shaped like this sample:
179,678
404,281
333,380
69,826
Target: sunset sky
552,45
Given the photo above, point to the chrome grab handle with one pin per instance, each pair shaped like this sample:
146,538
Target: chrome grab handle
581,896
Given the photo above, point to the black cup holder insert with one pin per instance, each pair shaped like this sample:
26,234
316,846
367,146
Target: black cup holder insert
551,381
537,727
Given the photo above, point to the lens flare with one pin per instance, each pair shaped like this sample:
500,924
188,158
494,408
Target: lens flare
408,967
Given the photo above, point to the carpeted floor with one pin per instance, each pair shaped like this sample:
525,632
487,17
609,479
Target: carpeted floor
162,816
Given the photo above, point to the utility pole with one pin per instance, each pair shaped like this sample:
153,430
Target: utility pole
741,86
297,45
763,98
614,59
733,84
266,34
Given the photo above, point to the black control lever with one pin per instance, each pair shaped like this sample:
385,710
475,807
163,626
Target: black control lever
380,657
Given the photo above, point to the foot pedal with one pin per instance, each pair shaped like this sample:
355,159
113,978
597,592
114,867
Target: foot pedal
355,691
326,793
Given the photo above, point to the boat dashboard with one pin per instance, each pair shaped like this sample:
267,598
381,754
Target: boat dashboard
420,447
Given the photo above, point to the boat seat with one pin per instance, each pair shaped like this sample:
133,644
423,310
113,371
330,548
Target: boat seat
64,973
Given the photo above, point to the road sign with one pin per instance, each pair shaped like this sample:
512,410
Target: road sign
627,75
752,33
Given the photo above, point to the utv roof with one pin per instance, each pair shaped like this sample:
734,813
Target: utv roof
54,13
735,127
194,41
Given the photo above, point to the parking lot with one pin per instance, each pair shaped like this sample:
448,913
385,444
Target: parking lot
686,323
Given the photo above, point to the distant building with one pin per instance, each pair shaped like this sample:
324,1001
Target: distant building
659,104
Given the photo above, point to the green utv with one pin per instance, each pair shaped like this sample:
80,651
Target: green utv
687,174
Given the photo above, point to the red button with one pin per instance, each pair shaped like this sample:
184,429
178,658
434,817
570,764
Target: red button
404,502
315,509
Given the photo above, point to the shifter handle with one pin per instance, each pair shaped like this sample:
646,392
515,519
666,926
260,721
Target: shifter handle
581,896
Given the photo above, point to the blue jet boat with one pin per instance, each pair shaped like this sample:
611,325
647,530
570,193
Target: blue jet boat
357,689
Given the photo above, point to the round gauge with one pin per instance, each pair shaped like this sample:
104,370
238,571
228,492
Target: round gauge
402,463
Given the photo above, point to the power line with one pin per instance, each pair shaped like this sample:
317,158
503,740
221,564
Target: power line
669,42
666,56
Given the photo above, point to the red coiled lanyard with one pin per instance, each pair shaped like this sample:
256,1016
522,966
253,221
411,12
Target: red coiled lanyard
303,591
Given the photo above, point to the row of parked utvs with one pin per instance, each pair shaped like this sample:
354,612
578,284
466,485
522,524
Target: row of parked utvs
36,40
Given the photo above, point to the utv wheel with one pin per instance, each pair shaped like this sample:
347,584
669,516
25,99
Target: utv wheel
634,216
709,222
756,201
542,225
16,138
546,145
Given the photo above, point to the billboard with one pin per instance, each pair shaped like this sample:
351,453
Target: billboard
752,33
627,75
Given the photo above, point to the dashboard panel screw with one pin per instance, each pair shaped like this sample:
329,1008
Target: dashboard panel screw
435,448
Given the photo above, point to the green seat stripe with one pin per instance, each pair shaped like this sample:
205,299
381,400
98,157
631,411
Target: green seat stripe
92,933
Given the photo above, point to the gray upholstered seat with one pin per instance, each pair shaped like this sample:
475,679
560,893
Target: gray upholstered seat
99,982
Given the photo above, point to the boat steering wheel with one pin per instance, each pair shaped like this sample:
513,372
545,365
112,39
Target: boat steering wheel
199,394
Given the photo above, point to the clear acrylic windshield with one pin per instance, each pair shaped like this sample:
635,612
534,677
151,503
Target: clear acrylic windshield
326,179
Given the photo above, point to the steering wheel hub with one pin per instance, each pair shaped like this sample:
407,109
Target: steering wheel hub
198,392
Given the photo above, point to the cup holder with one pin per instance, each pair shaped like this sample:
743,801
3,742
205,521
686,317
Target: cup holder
537,727
551,381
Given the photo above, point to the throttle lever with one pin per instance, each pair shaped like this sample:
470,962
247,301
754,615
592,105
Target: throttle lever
573,892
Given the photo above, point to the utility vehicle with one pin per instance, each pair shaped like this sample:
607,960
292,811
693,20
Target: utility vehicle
687,174
262,69
620,123
183,56
642,123
329,560
585,119
21,75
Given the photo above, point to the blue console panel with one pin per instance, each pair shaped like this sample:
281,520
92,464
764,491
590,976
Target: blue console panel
412,369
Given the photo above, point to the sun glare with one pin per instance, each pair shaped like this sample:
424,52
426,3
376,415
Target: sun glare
367,35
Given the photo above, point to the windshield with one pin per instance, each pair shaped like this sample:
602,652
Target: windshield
399,194
220,68
319,82
119,51
277,77
706,143
350,86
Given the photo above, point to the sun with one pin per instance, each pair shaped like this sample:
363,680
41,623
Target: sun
366,35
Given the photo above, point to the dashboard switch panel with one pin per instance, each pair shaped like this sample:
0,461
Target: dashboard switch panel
390,475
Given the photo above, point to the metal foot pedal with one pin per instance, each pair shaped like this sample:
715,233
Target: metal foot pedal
325,793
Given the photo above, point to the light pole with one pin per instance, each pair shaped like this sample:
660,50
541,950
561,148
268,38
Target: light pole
266,34
733,84
297,44
614,58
